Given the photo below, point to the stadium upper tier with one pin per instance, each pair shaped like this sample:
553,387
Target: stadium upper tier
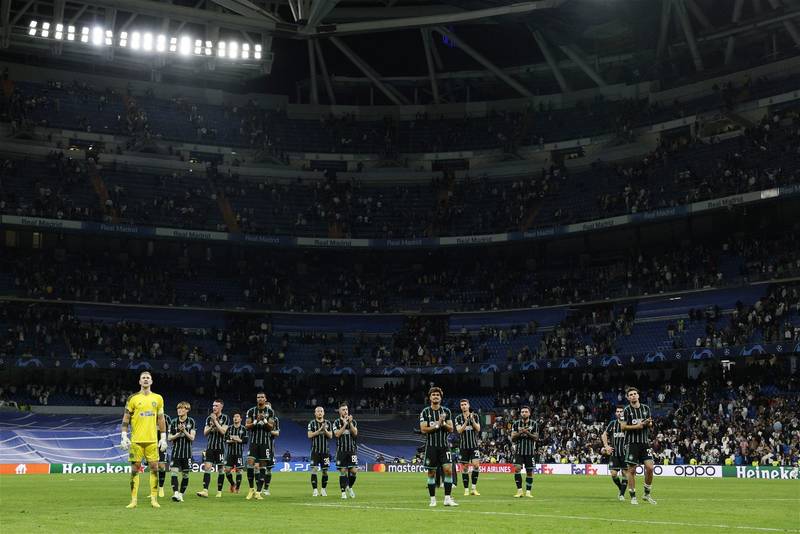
678,173
78,106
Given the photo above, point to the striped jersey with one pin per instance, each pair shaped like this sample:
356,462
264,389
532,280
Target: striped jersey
468,438
319,443
276,425
617,435
216,440
525,444
259,434
634,416
437,438
236,449
182,446
345,442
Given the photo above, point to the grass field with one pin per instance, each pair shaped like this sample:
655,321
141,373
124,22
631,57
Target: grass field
399,503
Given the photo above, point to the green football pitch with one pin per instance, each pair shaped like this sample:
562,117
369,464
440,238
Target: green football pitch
399,503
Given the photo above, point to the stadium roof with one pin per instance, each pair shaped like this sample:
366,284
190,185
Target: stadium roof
405,51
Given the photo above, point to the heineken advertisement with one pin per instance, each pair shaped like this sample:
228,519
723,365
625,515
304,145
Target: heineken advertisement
90,468
780,473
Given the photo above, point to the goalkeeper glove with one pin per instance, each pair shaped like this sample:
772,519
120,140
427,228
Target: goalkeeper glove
124,443
162,444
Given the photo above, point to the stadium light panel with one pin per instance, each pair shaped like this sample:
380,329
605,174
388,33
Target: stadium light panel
233,50
59,34
245,51
257,53
147,42
209,46
198,47
123,39
45,29
173,44
136,40
97,36
109,40
84,34
221,49
32,28
185,47
161,43
70,33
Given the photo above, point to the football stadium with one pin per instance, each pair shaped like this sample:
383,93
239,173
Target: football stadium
400,266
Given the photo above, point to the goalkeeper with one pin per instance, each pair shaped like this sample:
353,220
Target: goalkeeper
144,411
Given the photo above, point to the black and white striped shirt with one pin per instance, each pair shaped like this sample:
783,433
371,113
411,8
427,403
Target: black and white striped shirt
346,442
276,426
617,435
259,434
469,438
635,416
216,440
236,449
525,444
437,438
182,446
319,444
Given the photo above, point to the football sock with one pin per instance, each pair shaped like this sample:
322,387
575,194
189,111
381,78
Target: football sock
465,479
267,479
220,480
448,484
134,485
432,486
633,493
174,481
229,476
475,477
647,489
438,479
153,484
343,481
324,479
624,483
618,483
162,476
518,480
251,475
184,482
206,480
528,483
239,480
351,479
314,481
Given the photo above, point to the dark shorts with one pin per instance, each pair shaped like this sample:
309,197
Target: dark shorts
528,460
261,453
637,453
437,457
232,460
181,464
214,456
616,462
346,459
322,459
468,455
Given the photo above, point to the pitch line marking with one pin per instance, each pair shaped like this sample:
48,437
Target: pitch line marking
553,516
